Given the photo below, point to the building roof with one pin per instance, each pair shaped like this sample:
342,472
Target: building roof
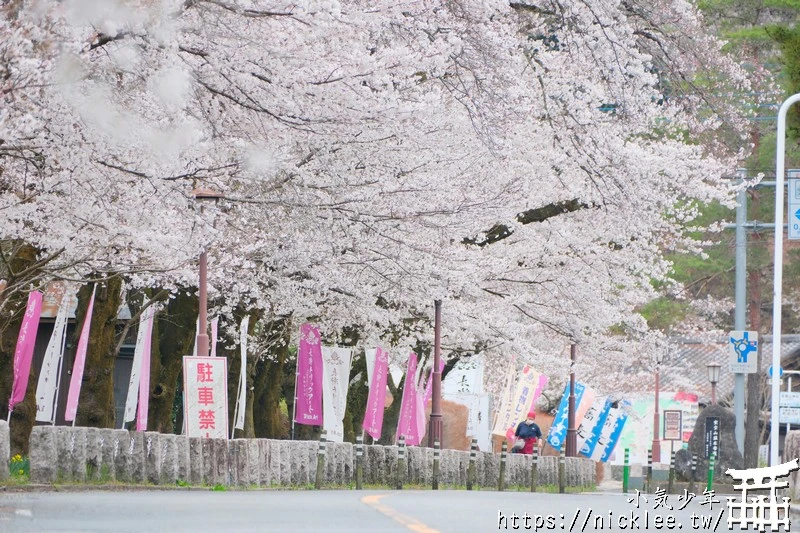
685,367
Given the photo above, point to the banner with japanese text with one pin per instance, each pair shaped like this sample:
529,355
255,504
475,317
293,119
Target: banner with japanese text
558,431
23,354
308,402
205,385
336,371
51,365
592,425
529,387
376,402
407,423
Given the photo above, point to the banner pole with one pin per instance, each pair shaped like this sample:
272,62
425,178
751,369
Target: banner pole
294,405
236,409
58,375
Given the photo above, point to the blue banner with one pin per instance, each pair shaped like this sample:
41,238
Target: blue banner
597,429
614,437
558,431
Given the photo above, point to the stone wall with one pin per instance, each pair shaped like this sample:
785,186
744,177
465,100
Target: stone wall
5,449
67,455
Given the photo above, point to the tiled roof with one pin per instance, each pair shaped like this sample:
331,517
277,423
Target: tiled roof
685,368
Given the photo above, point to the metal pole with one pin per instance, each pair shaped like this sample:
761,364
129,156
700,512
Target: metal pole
535,468
359,461
741,307
401,463
202,335
626,471
671,481
436,458
473,455
572,431
501,482
713,393
656,446
561,471
649,475
435,429
320,461
777,286
694,471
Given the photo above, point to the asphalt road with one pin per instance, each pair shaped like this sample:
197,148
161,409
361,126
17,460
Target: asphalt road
350,511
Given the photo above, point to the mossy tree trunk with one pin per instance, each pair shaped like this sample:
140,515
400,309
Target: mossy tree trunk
176,328
268,420
357,396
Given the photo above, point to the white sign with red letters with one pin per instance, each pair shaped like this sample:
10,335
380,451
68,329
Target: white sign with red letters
205,403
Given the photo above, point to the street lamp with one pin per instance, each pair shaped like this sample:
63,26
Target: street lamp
713,377
656,446
435,423
203,195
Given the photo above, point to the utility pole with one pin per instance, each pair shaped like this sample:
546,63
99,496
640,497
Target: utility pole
740,323
572,430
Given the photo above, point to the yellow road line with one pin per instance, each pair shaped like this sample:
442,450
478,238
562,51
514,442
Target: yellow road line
411,523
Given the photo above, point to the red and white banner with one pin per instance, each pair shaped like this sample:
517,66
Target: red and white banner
376,402
23,354
308,402
336,373
80,361
529,386
205,386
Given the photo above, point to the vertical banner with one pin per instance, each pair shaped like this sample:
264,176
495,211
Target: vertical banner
373,418
528,389
589,444
616,430
407,423
80,360
241,400
369,358
205,406
502,415
214,328
132,399
308,406
23,354
336,373
144,378
558,431
49,374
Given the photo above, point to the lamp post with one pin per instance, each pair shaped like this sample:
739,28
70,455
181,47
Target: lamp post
713,377
572,430
777,284
435,429
202,334
656,446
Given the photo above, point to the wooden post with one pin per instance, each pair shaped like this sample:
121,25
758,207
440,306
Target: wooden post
561,471
535,468
649,479
694,469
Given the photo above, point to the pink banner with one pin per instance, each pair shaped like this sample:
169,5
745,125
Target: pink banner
407,424
308,393
23,354
144,377
80,360
429,384
373,418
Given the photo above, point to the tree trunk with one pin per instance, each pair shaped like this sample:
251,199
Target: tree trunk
176,336
268,420
96,406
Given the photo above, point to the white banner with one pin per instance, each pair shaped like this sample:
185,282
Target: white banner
369,353
133,384
241,402
478,426
586,425
466,377
335,379
214,325
51,366
205,396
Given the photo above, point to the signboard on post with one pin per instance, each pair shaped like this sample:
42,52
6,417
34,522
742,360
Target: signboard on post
712,436
789,399
673,424
789,415
205,406
794,208
742,352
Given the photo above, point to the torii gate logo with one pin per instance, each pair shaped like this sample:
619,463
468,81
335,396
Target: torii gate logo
744,346
759,511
